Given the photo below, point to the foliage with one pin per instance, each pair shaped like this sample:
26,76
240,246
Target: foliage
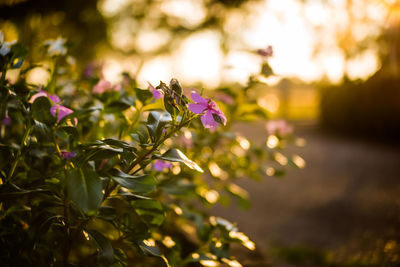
367,109
94,174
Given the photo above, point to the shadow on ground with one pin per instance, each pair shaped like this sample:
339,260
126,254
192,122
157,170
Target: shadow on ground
343,209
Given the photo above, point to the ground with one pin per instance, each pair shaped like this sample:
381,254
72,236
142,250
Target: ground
342,209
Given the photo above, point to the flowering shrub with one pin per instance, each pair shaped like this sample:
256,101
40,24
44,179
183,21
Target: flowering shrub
114,175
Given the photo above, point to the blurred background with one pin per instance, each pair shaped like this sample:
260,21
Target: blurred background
336,78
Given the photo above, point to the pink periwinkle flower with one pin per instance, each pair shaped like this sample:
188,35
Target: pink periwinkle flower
156,93
266,52
54,98
209,107
280,127
67,154
60,111
6,121
103,86
160,165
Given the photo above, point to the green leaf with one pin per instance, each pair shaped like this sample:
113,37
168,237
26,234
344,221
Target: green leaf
81,114
156,122
139,184
102,152
106,253
41,110
84,187
176,155
150,250
119,105
117,143
150,211
143,95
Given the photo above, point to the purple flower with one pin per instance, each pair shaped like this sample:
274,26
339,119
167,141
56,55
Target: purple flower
211,109
60,111
6,121
67,154
266,52
156,93
160,165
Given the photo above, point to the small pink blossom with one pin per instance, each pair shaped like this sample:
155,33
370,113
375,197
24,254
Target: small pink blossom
60,111
103,86
160,165
266,52
210,108
54,98
67,154
156,93
280,127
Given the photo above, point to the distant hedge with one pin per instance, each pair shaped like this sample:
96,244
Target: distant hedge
369,109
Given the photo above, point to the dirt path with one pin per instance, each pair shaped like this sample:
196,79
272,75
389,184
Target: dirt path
346,201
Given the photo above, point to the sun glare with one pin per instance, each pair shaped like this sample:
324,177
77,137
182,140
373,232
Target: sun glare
293,29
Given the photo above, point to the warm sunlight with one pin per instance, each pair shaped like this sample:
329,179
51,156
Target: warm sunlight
294,30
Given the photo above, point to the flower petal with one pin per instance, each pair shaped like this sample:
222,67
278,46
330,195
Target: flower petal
55,99
156,94
60,111
208,120
198,98
197,108
37,95
101,87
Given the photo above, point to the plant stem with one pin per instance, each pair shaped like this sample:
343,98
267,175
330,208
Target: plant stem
144,155
19,153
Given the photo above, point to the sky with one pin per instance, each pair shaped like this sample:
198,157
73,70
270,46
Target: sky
291,28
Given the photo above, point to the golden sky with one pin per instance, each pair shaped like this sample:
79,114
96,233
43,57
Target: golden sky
293,29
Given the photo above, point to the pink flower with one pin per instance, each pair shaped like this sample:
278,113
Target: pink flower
55,99
60,111
266,52
156,93
211,109
160,165
67,154
280,127
103,86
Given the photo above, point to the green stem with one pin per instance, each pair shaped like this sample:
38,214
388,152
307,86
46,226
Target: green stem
156,146
55,142
3,75
147,153
19,153
133,123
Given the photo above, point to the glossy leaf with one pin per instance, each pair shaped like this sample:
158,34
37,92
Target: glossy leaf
176,155
84,188
139,184
156,122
